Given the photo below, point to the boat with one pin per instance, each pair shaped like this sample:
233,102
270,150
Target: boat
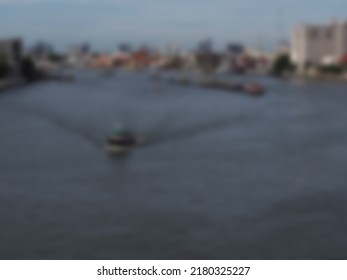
121,141
254,89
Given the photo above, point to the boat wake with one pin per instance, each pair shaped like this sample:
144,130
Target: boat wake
61,123
161,133
194,130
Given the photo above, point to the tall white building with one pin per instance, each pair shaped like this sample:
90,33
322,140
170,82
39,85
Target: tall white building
319,44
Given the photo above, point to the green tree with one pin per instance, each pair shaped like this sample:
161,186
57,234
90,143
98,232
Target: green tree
29,70
208,62
4,67
56,57
282,65
331,69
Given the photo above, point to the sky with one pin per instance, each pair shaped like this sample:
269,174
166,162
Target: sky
106,23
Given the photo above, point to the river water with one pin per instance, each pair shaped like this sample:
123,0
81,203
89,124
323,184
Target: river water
222,175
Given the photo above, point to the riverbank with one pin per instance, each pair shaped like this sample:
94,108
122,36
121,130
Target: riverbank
251,88
317,77
9,83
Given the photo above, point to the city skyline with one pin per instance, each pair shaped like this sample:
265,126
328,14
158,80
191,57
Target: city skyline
107,23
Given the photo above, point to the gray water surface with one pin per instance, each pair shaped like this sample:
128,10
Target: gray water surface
221,176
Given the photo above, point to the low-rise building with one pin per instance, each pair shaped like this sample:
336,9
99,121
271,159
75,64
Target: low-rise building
79,55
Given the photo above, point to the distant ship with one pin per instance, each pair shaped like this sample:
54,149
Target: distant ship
254,89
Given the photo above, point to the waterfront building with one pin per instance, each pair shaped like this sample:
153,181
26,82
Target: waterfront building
319,44
140,59
41,50
235,49
230,56
101,61
12,50
78,55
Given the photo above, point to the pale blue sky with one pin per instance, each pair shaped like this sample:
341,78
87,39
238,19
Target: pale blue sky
105,23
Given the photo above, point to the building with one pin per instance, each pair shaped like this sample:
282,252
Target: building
102,61
78,55
319,44
230,56
12,50
235,49
41,49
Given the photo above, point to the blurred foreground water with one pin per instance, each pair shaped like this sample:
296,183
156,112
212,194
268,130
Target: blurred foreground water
223,176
